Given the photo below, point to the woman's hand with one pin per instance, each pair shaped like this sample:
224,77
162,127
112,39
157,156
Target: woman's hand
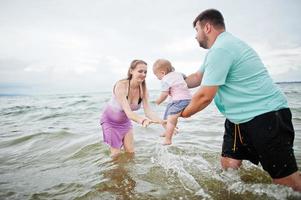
159,121
145,122
162,122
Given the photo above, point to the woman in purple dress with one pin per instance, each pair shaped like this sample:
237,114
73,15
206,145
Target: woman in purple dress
128,95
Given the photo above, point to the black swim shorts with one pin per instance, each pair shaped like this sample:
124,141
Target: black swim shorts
267,138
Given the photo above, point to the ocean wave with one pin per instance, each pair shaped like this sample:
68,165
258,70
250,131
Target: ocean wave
78,103
23,110
17,110
85,151
270,190
61,191
32,137
53,115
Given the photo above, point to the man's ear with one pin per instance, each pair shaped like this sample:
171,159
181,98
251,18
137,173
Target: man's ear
207,28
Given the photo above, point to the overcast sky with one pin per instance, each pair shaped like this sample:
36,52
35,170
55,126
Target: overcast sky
64,46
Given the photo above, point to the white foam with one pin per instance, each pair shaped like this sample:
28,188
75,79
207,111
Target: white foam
176,164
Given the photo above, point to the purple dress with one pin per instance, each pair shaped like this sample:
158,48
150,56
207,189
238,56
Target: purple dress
115,124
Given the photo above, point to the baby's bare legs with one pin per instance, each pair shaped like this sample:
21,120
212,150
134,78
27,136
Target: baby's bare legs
170,128
176,130
165,127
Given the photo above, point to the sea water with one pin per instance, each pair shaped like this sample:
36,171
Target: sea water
51,148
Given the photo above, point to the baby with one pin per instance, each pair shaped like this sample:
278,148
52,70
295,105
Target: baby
173,85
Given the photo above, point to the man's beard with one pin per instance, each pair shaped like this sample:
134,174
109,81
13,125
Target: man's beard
204,43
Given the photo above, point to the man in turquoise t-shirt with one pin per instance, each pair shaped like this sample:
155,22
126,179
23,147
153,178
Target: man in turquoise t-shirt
258,124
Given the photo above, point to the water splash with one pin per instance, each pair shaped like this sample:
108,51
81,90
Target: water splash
274,191
175,164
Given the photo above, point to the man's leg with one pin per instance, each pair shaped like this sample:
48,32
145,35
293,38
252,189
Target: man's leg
293,181
273,137
230,163
232,150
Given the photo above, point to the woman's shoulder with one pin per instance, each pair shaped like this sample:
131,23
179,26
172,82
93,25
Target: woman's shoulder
121,85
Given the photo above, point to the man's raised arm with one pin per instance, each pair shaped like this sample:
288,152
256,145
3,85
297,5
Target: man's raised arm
194,80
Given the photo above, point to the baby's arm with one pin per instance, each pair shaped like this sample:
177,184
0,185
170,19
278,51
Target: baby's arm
162,97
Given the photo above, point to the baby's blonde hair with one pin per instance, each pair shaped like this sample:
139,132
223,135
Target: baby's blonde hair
163,64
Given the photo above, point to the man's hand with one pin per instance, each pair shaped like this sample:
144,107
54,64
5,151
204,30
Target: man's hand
194,80
200,100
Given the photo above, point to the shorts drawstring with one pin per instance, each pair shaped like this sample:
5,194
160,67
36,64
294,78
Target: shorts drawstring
235,133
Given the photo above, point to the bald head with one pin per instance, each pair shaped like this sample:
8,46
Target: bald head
163,65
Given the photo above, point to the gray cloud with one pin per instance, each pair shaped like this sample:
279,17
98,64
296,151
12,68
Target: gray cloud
64,45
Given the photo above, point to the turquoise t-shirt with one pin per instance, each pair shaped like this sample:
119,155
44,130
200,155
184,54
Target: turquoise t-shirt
245,87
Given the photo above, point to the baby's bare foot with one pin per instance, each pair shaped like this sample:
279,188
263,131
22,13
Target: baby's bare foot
162,135
167,142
